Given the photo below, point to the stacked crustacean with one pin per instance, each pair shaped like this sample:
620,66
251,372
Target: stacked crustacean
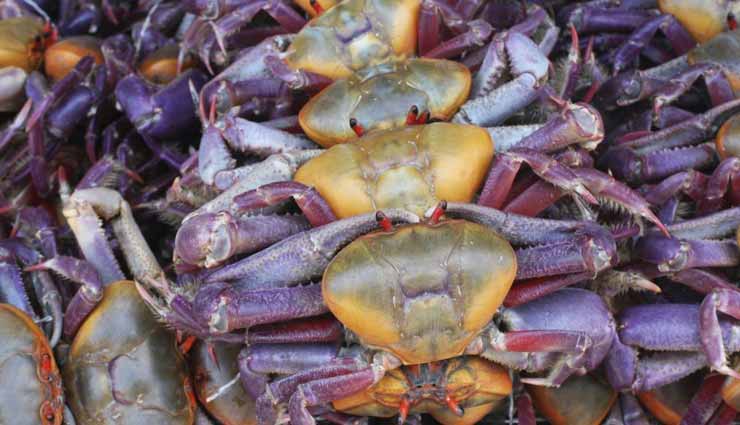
270,212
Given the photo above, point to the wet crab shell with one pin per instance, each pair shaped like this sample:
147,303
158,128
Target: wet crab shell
124,366
702,18
421,292
31,388
61,57
19,39
381,97
581,400
475,383
722,50
411,168
353,35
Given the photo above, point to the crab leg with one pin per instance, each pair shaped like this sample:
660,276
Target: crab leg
718,225
675,255
315,329
281,390
304,256
479,31
319,392
692,183
256,362
243,136
678,36
225,308
506,166
725,301
702,281
489,107
705,401
316,209
726,177
719,88
86,297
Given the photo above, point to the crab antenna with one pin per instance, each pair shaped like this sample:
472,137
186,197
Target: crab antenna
384,221
359,131
316,7
438,212
403,410
452,404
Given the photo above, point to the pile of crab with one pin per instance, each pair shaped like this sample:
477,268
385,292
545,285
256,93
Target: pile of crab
267,212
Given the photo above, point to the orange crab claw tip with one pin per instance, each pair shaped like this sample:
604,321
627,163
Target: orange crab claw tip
647,285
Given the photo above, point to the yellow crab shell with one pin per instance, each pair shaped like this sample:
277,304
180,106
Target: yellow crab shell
412,168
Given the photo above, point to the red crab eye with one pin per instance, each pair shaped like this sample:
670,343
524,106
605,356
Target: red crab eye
316,7
731,21
356,127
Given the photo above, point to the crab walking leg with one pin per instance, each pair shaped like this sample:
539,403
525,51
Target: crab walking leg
319,392
258,361
303,256
671,254
282,390
278,167
86,297
506,166
701,281
243,136
677,35
725,301
226,308
529,67
479,31
314,206
705,401
315,329
718,225
725,178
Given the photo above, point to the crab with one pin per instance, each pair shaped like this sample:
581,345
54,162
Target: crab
32,385
564,405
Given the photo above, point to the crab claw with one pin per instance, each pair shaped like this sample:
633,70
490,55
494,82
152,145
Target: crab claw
604,186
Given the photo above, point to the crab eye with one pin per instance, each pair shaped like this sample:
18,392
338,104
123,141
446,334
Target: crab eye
731,21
